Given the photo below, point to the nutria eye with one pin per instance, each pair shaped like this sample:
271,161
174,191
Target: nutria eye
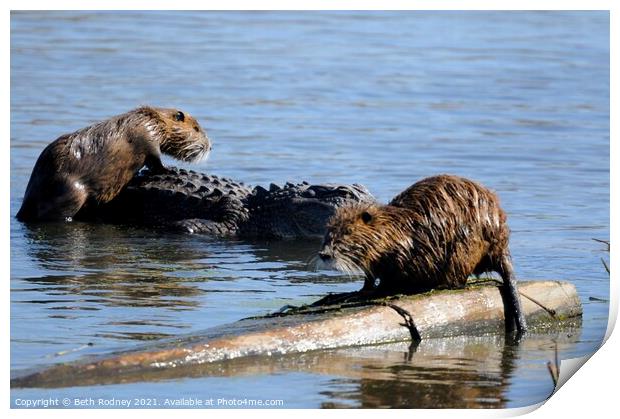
196,129
179,116
366,217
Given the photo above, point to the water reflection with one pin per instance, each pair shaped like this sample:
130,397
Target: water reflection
105,265
83,246
121,266
475,374
457,372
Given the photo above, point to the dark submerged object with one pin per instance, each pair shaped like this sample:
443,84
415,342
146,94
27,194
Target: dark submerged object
435,234
188,201
90,166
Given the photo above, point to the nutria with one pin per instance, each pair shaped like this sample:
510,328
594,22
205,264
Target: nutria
90,166
435,234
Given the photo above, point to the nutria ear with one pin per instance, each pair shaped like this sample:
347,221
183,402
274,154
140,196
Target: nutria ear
366,217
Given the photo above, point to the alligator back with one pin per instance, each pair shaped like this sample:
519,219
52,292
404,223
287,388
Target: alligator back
184,200
161,199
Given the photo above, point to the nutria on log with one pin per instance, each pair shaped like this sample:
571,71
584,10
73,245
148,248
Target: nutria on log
90,166
435,234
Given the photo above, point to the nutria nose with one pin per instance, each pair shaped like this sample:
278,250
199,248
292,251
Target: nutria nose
325,256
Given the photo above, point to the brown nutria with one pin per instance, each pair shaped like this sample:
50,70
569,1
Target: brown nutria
90,166
435,234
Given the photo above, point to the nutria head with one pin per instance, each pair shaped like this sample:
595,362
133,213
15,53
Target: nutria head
179,134
363,238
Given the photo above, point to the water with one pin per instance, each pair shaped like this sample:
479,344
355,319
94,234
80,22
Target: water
516,100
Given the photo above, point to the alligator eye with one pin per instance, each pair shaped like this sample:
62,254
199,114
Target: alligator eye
309,193
179,116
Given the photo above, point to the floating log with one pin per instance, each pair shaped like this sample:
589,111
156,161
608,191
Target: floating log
472,311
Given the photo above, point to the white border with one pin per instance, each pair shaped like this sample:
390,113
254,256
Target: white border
590,392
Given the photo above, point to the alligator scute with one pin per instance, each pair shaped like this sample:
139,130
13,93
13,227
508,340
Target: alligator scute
197,203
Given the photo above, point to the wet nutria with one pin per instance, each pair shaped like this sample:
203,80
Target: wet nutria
92,165
435,234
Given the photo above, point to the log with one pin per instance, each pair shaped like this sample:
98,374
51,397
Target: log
473,311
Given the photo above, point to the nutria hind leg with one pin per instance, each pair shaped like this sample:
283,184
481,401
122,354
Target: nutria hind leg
60,201
27,212
513,312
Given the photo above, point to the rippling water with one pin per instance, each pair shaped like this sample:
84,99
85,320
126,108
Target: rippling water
516,100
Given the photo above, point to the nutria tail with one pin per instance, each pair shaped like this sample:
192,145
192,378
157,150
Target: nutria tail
513,313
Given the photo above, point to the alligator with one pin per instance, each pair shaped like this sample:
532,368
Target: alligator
193,202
